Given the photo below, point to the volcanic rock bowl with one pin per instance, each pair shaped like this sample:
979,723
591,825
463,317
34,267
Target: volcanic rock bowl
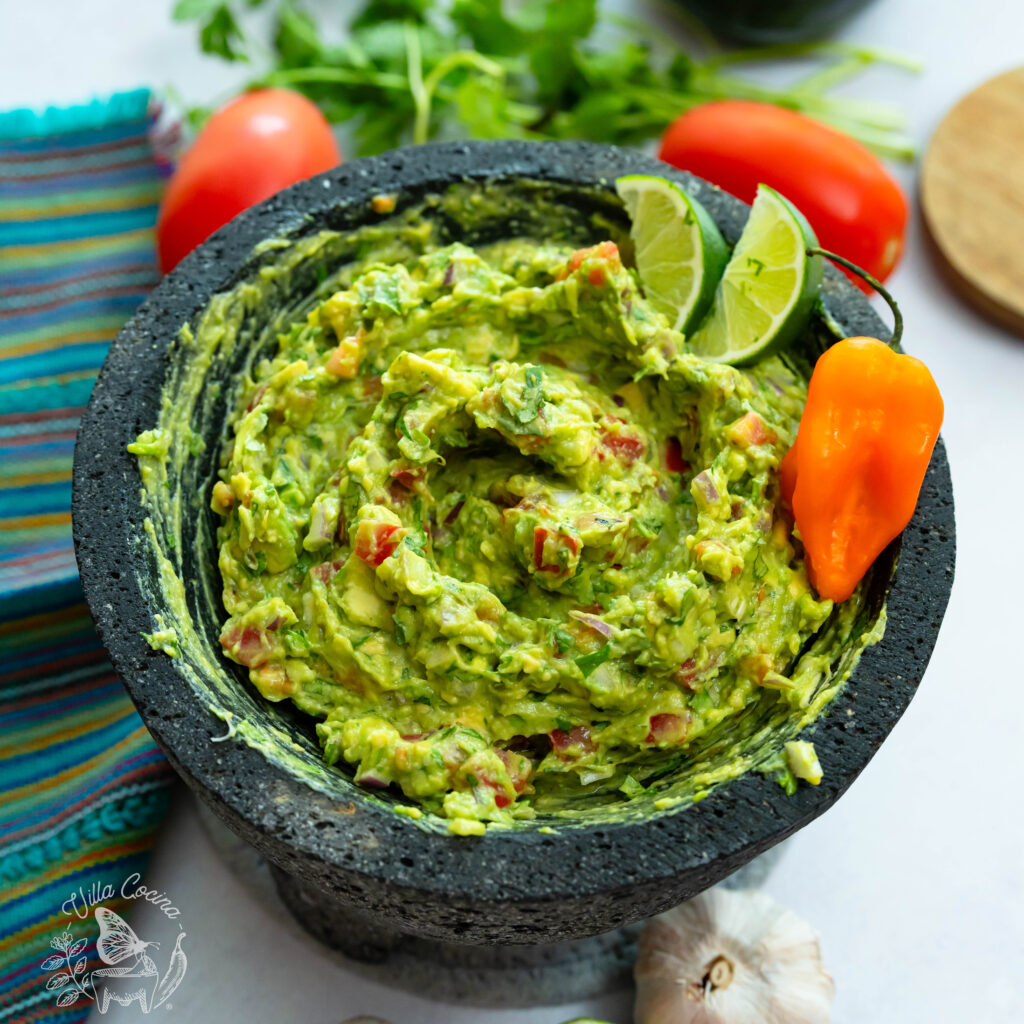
354,871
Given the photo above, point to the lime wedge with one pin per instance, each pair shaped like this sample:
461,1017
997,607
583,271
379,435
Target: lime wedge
680,253
769,287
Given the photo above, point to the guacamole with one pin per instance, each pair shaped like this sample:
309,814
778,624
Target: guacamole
488,521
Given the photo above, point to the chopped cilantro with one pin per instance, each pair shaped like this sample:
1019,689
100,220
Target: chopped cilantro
701,701
533,395
588,662
297,642
563,640
760,567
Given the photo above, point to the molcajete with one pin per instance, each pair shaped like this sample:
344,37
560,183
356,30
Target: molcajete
576,870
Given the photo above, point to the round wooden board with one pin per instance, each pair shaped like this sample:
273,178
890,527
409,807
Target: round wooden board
972,193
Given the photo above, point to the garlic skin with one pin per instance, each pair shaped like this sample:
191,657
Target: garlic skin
731,957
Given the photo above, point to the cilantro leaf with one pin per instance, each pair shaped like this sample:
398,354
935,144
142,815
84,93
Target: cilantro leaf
297,39
377,11
488,28
562,639
415,69
533,395
188,10
588,662
222,36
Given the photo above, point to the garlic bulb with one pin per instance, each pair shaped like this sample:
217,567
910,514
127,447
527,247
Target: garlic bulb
728,957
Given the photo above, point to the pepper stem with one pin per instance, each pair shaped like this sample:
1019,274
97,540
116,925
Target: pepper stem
897,316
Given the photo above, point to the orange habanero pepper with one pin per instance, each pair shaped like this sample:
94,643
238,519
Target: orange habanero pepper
854,473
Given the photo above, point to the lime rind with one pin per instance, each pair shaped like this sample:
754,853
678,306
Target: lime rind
768,289
680,253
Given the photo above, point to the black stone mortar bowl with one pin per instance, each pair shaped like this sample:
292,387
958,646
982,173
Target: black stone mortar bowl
354,872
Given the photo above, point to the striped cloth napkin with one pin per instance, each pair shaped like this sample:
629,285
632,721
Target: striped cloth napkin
82,785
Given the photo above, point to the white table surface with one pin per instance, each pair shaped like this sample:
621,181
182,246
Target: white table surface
915,879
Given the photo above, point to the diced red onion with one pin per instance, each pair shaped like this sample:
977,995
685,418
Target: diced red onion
320,531
596,624
372,780
703,482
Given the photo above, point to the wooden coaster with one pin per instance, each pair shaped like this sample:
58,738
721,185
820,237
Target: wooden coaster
972,193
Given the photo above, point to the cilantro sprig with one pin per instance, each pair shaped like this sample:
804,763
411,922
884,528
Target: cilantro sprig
412,70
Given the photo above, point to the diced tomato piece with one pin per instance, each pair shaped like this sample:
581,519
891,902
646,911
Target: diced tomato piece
541,535
519,769
674,461
750,430
667,728
344,361
250,646
605,250
578,738
625,446
518,766
374,541
687,672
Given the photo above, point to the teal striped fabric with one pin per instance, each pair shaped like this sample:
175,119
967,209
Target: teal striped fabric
76,256
82,785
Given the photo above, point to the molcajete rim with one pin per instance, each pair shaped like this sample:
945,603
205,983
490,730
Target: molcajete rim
518,886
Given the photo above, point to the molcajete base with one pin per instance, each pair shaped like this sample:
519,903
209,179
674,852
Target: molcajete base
476,975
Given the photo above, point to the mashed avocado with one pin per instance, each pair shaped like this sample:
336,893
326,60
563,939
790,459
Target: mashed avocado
486,518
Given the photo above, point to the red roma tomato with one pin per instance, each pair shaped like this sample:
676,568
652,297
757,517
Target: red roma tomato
251,148
855,207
